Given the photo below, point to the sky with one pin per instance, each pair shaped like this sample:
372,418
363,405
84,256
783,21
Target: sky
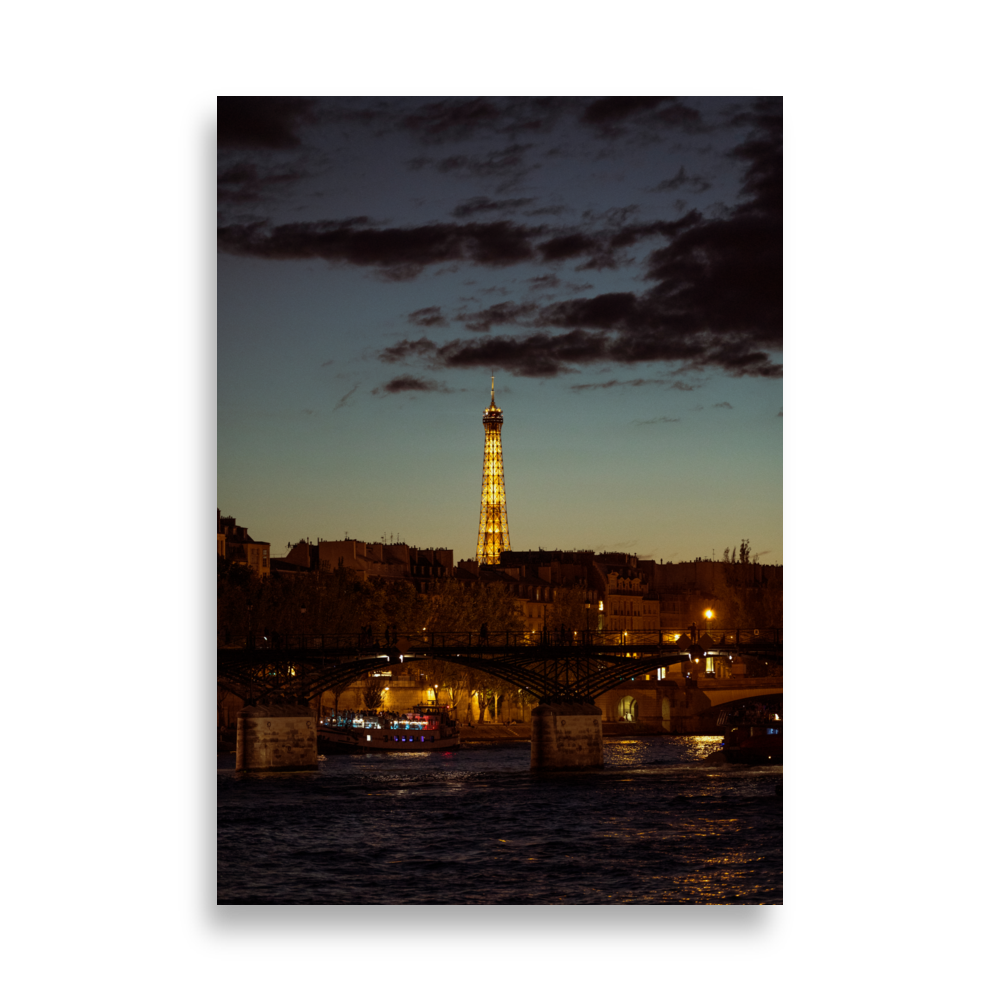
615,263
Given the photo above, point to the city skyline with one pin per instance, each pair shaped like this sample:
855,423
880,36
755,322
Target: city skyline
615,261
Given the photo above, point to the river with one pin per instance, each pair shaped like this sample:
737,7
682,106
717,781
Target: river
655,825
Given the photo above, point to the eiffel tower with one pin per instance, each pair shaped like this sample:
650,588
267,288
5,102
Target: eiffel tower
494,536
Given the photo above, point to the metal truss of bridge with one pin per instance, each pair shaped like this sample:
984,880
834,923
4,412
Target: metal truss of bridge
576,666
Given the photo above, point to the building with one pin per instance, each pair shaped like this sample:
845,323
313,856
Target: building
370,561
234,544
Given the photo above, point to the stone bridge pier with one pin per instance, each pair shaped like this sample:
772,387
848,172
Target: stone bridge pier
277,737
566,736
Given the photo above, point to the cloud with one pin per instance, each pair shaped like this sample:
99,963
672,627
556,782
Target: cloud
347,395
263,122
615,383
781,413
507,164
610,115
723,406
410,383
715,300
501,314
403,253
548,210
430,316
714,282
465,118
406,348
244,181
544,281
537,356
399,253
444,120
500,161
657,420
482,205
612,110
680,180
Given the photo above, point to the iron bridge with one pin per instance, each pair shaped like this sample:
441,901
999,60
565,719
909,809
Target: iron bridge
551,666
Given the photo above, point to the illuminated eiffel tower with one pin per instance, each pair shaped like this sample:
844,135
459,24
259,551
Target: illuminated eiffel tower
494,536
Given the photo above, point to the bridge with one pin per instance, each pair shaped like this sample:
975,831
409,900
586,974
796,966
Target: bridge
564,669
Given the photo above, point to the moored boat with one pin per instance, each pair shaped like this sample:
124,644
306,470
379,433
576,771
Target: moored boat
426,727
753,735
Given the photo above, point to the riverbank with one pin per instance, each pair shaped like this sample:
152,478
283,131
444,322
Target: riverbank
494,732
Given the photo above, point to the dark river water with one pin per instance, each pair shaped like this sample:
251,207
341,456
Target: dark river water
655,825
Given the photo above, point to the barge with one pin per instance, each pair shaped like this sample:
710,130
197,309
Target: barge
426,727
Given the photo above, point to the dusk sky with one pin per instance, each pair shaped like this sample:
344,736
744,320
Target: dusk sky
616,262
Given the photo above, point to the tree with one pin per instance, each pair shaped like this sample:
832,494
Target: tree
568,609
372,691
749,595
452,607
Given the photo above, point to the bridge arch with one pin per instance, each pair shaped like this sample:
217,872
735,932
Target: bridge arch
627,709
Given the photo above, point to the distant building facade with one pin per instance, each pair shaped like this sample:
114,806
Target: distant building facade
370,561
234,544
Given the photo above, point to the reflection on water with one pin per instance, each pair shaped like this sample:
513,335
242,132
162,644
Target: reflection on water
655,825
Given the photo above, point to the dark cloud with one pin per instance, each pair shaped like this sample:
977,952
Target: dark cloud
431,316
544,281
399,253
465,118
615,383
549,210
447,120
402,253
723,406
407,348
244,181
610,115
680,116
575,244
612,110
263,122
500,161
347,395
716,297
507,165
538,356
410,383
657,420
482,205
501,314
684,180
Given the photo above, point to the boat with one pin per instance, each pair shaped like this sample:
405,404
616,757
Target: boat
753,744
752,736
426,727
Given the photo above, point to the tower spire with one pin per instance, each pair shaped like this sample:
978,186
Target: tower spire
494,536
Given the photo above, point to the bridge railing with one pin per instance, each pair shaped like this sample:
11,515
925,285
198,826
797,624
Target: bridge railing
424,641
